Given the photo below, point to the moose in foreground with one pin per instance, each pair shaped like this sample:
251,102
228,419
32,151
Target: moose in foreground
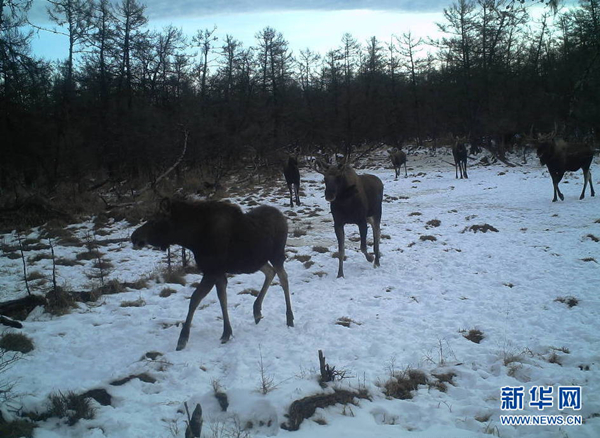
398,158
224,240
459,152
292,178
354,199
560,156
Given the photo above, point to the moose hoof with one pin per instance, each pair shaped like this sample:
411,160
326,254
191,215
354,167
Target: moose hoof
225,338
370,258
181,344
257,319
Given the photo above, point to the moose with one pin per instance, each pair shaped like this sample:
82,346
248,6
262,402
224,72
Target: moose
224,240
292,178
354,199
398,157
459,152
560,156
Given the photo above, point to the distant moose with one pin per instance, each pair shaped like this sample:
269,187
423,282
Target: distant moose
560,156
292,179
224,240
398,158
354,199
460,154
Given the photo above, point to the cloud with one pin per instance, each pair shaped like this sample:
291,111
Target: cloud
166,9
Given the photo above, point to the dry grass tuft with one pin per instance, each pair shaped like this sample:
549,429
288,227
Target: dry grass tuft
16,342
401,384
474,335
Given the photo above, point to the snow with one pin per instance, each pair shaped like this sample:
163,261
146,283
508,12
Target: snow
411,313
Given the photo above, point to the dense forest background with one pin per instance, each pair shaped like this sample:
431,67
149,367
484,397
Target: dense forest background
122,103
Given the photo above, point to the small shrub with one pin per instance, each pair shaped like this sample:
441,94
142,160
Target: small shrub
61,261
249,291
134,303
35,275
301,258
554,358
167,292
142,283
474,335
88,255
433,223
299,232
59,302
70,406
36,258
17,429
401,384
102,265
16,342
175,277
344,321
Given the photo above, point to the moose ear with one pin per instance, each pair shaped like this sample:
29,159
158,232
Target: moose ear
165,205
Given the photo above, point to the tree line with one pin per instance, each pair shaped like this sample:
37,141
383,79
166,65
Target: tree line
118,106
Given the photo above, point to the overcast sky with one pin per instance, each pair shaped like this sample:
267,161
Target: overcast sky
315,24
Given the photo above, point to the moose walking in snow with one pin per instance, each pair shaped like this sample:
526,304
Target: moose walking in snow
560,156
398,158
354,199
292,179
224,240
460,154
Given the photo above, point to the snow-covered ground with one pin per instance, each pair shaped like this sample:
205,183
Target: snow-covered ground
437,281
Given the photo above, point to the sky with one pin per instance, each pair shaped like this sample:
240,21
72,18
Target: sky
318,25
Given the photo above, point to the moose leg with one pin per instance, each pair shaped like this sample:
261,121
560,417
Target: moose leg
405,171
269,272
201,291
591,186
586,174
291,196
556,178
362,228
283,279
297,190
465,169
456,166
376,227
339,233
222,294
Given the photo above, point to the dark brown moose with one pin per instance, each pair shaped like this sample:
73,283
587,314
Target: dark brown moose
560,156
398,158
459,152
354,199
292,178
224,240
